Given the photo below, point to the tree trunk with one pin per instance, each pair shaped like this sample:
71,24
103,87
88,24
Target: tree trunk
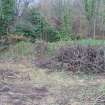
90,30
94,29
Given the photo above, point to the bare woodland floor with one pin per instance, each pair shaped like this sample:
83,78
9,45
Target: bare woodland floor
23,85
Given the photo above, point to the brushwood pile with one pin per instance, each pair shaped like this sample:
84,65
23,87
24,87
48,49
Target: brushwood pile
77,58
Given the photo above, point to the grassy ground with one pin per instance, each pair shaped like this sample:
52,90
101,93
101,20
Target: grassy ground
33,86
23,84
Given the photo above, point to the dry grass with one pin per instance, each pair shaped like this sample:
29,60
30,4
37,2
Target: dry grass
43,88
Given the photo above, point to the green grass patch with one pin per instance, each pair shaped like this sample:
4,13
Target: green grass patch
20,50
26,48
53,46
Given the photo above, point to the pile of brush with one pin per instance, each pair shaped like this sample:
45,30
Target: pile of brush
77,58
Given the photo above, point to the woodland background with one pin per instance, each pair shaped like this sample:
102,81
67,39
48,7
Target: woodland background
53,20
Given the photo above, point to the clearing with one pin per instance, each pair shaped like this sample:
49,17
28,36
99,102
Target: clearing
26,85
